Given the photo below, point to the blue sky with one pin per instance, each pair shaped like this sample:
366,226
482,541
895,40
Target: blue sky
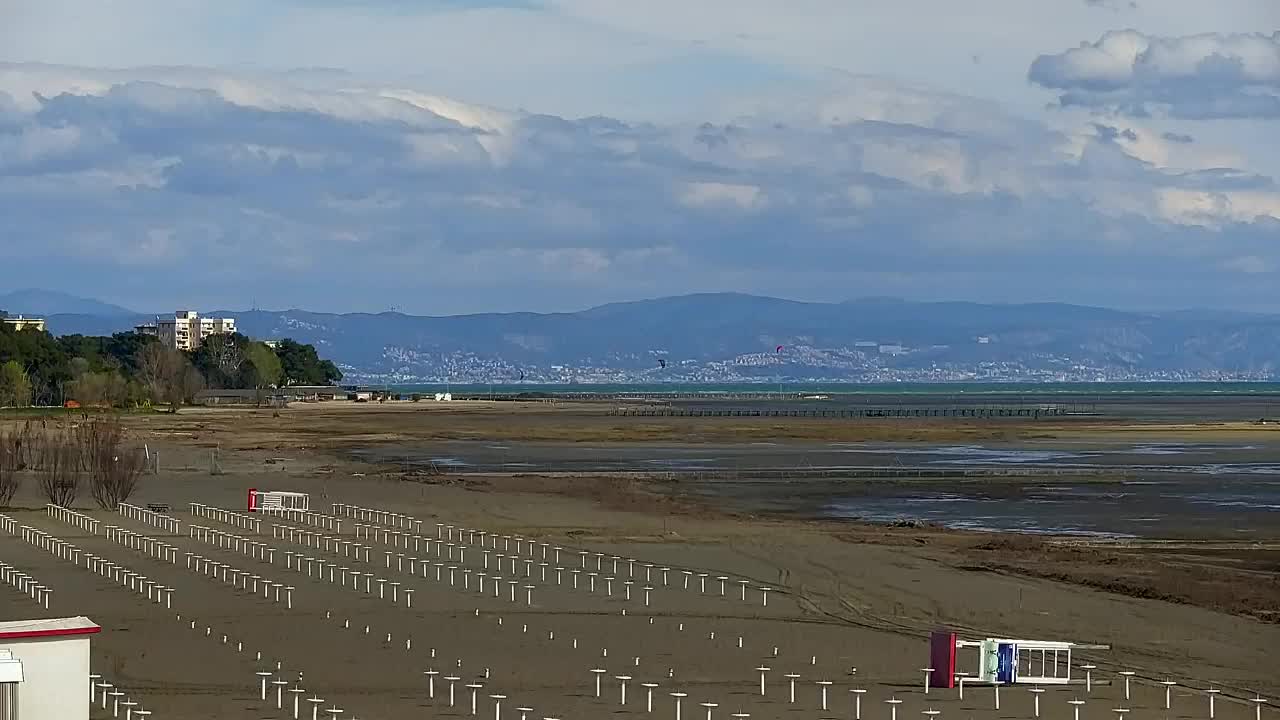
443,156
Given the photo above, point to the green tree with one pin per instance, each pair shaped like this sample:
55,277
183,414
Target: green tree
15,385
168,375
222,360
301,365
124,349
130,369
117,352
262,368
84,353
99,389
43,359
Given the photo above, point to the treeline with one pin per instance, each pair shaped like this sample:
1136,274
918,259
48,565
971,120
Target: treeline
129,369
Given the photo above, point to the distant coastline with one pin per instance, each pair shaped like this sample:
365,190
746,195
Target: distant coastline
1207,387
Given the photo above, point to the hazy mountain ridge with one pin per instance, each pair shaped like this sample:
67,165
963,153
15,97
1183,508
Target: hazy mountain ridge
52,302
736,335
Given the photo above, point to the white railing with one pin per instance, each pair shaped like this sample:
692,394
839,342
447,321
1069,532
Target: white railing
255,549
305,517
150,517
157,549
67,515
26,583
226,516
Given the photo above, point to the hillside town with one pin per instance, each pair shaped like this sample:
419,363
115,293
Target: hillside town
871,363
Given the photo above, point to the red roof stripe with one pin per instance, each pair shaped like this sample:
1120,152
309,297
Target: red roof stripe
27,634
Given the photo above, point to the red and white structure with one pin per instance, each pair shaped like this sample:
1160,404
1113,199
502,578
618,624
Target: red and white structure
44,668
1003,661
275,500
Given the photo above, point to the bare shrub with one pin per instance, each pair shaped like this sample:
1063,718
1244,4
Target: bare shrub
25,446
60,469
114,468
169,376
11,464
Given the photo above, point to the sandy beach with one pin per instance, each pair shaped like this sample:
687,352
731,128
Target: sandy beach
845,595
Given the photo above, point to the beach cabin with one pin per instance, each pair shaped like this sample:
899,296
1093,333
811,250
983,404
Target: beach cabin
44,669
277,501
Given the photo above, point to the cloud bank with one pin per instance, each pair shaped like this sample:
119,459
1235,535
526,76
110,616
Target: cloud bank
315,188
1206,76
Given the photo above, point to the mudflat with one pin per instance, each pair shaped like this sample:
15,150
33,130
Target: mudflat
1189,602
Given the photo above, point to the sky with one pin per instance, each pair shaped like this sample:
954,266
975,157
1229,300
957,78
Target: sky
446,156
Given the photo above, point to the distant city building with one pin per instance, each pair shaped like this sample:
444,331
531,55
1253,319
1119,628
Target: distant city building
186,330
892,349
22,323
983,340
866,344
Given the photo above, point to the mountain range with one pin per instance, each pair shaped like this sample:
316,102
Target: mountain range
52,302
737,337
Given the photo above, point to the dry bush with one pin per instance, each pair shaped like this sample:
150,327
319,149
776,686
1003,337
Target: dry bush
168,375
114,468
11,464
59,469
24,446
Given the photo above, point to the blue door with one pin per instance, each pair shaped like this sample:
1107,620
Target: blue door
1006,663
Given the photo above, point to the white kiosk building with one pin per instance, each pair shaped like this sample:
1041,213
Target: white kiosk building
44,669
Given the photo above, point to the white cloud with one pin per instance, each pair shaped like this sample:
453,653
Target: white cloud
716,194
268,182
1249,265
1208,75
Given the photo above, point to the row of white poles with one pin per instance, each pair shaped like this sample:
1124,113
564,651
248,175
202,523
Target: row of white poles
519,547
445,534
67,515
310,538
157,549
382,517
456,552
255,549
242,579
226,516
150,517
280,685
335,544
26,583
362,582
306,517
64,550
100,688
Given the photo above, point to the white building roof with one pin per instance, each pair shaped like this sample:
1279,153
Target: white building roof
20,629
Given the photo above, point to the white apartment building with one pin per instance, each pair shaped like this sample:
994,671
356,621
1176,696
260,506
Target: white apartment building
186,330
21,323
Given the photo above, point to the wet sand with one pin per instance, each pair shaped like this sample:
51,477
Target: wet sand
849,594
1122,488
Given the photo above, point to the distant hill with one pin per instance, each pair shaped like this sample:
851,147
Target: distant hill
52,302
733,336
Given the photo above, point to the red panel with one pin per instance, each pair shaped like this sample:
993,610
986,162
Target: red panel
25,634
942,658
253,499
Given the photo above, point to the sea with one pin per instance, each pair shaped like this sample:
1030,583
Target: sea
1218,488
1206,387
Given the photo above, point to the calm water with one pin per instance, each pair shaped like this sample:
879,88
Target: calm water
1082,389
